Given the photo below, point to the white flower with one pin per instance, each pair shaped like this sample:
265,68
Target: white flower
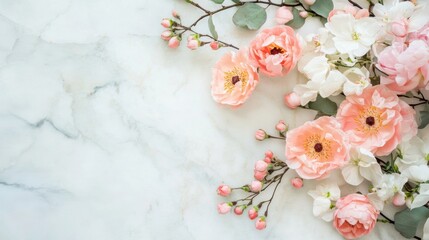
352,36
386,188
357,81
320,42
362,165
417,173
323,196
412,161
392,10
422,198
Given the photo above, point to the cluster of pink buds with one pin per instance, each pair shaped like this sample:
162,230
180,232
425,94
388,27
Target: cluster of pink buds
263,171
281,128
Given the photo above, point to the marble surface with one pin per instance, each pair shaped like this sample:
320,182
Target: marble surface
105,133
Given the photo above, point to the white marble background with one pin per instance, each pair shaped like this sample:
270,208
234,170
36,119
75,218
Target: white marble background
105,133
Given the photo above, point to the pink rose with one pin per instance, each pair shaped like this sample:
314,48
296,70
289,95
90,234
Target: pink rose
253,213
261,166
259,175
256,186
174,42
355,216
377,120
224,208
317,147
292,100
260,224
223,190
260,135
406,66
297,182
234,79
283,15
275,50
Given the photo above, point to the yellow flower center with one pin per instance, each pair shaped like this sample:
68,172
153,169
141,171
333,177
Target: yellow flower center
355,36
275,49
369,120
233,77
317,147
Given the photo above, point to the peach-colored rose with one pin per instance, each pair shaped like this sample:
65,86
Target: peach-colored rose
377,120
316,148
355,216
234,79
275,50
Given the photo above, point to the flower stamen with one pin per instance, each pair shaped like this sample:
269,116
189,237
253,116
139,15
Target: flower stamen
233,77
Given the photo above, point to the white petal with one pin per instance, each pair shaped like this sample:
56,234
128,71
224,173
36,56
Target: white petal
372,173
321,205
334,83
417,173
351,174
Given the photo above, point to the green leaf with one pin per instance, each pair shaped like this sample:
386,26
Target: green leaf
322,7
424,117
218,1
236,1
290,1
324,105
297,20
407,221
212,28
250,16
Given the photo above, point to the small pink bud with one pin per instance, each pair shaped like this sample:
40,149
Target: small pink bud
224,208
193,44
267,160
303,14
309,2
260,135
269,154
239,209
223,190
260,223
174,42
362,13
258,175
281,126
214,45
253,213
283,15
292,100
398,200
175,14
352,10
256,186
166,35
297,182
166,22
399,28
261,166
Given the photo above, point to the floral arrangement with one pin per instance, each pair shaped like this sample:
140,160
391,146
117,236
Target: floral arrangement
367,73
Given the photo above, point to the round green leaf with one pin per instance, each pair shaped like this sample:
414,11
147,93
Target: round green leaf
250,16
297,20
324,106
407,221
322,7
218,1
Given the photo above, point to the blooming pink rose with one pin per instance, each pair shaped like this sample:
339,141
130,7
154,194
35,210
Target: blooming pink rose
297,182
406,66
253,213
234,79
224,208
377,120
256,186
275,50
260,135
261,166
174,42
283,15
317,147
260,224
223,190
355,216
259,175
292,100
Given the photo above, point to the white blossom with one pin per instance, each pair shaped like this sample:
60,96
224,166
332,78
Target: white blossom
362,165
323,196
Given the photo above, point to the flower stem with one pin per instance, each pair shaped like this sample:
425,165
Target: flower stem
274,192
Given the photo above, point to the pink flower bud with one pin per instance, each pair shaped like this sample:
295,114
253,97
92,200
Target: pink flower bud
281,126
309,2
166,22
292,100
193,44
283,15
362,13
166,35
297,182
260,223
239,209
261,166
174,42
399,28
256,186
269,154
398,200
223,190
214,45
303,14
260,135
253,213
224,208
267,160
258,175
352,10
175,14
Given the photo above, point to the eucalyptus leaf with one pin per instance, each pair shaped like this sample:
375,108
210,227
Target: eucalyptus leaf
424,117
250,16
236,1
218,1
212,28
324,105
407,221
297,20
290,1
323,7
